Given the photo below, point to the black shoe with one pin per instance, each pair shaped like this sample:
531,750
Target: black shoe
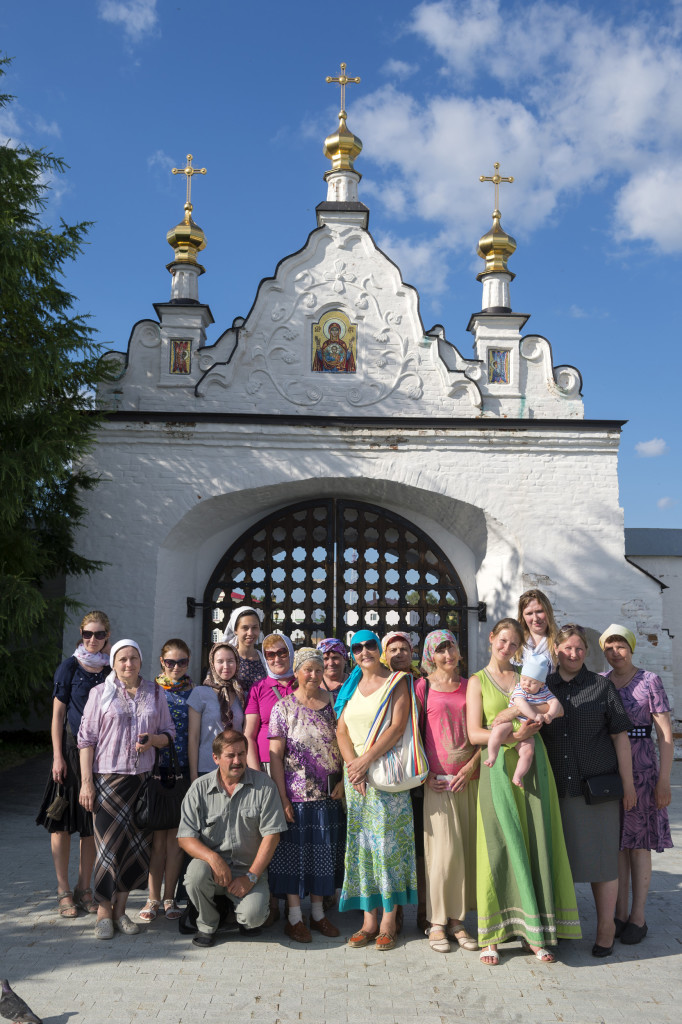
249,931
187,922
203,939
633,933
602,951
620,925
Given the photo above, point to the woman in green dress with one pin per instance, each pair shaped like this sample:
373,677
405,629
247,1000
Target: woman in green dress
524,887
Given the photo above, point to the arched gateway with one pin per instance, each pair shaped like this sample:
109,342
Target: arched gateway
330,567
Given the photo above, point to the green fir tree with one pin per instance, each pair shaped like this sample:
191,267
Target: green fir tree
49,368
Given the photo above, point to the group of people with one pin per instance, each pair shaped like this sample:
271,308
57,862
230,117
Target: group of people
540,774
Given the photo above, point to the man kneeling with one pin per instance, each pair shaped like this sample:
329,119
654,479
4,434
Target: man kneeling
230,825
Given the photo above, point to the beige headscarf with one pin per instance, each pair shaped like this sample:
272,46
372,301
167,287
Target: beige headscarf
615,630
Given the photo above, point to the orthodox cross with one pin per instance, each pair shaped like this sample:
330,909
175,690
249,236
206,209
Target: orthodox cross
189,171
496,178
343,80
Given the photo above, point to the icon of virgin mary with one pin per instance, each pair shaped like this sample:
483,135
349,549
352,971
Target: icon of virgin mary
333,355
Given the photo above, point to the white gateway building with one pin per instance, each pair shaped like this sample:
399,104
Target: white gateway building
334,463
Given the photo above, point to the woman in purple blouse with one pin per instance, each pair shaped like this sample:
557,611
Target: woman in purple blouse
645,827
125,717
305,763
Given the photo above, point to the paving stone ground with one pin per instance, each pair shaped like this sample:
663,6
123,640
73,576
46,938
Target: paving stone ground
67,976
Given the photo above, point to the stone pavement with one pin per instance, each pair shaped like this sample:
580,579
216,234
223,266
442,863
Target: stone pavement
67,976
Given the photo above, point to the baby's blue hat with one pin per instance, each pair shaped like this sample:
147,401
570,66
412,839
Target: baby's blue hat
535,667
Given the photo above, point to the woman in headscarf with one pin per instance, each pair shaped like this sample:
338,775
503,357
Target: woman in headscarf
305,764
450,794
166,858
645,827
125,718
60,811
243,632
380,870
278,652
215,706
335,657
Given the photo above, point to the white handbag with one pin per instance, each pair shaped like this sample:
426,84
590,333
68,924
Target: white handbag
404,766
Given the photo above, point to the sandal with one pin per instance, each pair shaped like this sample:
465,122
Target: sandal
69,909
85,900
171,910
541,954
461,936
489,954
149,911
439,945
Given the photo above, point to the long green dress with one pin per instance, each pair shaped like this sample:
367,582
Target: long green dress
524,886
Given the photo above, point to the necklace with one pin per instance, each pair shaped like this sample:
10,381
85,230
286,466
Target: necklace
498,684
621,685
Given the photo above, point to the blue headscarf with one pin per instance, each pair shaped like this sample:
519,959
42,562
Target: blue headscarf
351,684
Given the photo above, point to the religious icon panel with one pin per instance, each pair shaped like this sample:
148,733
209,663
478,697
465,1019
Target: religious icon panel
180,355
498,366
334,343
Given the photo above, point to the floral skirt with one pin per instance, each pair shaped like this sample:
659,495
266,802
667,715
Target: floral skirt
309,855
380,867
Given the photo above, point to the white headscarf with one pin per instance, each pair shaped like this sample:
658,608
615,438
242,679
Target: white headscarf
290,647
110,682
230,635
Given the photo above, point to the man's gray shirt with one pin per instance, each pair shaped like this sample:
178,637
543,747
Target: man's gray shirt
234,825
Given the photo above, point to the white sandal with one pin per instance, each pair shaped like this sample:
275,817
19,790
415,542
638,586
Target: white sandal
438,945
149,911
492,954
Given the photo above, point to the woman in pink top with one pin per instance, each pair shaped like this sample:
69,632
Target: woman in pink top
279,655
449,795
125,718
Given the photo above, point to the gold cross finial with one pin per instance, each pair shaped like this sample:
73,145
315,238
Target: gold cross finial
343,80
496,178
189,171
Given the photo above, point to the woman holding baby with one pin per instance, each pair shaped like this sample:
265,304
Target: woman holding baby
523,880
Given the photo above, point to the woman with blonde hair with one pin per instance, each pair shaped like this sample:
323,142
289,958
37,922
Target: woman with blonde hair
60,811
539,627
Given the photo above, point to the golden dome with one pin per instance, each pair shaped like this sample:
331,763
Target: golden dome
495,248
187,238
342,147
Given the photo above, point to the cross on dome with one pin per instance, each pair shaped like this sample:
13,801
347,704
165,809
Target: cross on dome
496,178
189,171
343,80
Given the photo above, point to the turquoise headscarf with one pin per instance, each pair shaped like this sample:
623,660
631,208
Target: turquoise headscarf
351,684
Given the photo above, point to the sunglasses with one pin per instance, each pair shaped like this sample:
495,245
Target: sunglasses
281,652
366,645
171,663
99,634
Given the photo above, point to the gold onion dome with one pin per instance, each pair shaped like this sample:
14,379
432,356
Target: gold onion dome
342,147
495,247
187,238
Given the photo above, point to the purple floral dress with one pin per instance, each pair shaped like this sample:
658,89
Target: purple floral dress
645,827
311,752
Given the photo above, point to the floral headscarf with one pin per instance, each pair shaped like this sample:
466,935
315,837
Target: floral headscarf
330,643
432,642
225,691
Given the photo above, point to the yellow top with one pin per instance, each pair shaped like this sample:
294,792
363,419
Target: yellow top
187,238
359,714
342,146
496,246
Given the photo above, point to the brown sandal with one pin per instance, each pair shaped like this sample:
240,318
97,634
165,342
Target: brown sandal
84,899
69,909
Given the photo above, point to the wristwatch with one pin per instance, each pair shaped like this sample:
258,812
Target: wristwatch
251,877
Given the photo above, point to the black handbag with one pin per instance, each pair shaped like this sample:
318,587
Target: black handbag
600,789
158,803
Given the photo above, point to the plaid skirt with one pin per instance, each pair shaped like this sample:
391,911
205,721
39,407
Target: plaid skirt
122,849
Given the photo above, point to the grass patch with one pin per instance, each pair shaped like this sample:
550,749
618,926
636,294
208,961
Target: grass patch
22,745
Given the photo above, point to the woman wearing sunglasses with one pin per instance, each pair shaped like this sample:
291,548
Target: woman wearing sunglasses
380,868
278,652
60,811
166,859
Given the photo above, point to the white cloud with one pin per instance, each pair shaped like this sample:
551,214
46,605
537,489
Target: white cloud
577,312
138,17
421,263
399,69
651,449
44,127
567,100
666,502
160,159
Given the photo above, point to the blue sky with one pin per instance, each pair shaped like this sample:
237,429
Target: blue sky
580,102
